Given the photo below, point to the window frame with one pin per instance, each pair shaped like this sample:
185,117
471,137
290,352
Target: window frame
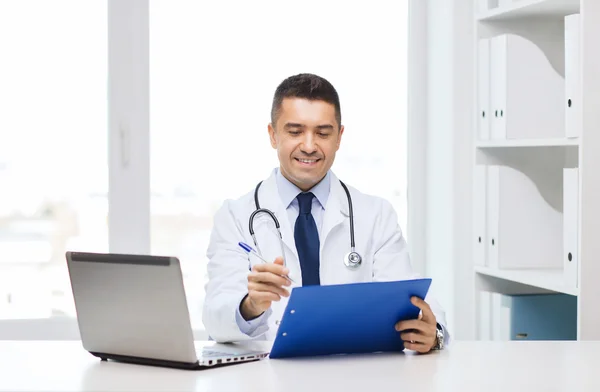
128,154
129,148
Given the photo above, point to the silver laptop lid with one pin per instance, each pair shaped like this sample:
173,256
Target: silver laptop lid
131,305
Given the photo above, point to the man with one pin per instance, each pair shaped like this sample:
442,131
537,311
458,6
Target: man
313,212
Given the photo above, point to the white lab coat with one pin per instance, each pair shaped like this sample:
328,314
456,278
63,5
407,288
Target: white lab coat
378,238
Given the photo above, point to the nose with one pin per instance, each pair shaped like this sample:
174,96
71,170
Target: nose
308,144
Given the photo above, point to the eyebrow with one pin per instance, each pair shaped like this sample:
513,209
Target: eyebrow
293,125
296,125
325,126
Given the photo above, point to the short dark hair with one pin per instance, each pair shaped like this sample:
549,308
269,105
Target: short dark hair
307,86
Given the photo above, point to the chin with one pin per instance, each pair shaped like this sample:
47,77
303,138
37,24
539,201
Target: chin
307,182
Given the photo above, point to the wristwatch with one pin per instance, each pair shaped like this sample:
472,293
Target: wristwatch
439,340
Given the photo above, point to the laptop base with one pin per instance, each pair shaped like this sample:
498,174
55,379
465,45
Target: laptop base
162,363
149,361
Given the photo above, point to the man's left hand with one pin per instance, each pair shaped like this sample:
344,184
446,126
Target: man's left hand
419,335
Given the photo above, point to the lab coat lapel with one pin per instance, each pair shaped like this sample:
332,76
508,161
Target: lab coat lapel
269,198
336,209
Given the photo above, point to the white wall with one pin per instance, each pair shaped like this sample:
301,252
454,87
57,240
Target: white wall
446,156
439,236
464,120
417,132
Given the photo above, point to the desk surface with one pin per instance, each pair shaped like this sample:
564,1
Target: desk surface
466,366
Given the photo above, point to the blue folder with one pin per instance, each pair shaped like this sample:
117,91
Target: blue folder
347,318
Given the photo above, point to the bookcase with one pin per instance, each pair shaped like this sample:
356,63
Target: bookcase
536,163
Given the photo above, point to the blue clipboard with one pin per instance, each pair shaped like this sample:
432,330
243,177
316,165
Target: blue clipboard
346,319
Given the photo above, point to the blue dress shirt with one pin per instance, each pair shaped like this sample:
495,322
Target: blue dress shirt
289,191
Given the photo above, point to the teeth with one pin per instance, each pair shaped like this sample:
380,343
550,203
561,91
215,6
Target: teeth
307,160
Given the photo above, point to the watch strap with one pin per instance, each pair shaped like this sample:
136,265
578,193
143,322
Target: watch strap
439,340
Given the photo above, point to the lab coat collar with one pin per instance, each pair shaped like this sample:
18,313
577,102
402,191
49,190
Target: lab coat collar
339,195
336,209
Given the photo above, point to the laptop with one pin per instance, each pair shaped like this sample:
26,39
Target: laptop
133,308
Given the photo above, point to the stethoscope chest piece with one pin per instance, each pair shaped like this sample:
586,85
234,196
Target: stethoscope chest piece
352,260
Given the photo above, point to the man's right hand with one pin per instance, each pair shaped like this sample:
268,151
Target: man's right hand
265,285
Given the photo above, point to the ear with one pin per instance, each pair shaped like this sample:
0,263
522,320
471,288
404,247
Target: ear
272,136
339,137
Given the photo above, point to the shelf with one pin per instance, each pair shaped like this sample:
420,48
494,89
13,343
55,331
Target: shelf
521,9
548,154
551,280
511,143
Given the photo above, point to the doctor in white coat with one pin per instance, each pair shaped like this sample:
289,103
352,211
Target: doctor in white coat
245,298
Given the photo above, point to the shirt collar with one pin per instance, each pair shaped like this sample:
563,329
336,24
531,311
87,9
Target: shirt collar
288,191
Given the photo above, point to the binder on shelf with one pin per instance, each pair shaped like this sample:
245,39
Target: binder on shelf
572,102
524,230
483,98
492,214
571,226
479,215
526,91
542,316
531,317
497,87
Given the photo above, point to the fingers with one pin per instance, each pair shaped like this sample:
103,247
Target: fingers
261,297
265,287
418,347
268,277
417,326
409,324
413,337
418,341
417,335
277,269
425,316
428,315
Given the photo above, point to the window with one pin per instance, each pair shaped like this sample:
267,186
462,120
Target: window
53,149
213,71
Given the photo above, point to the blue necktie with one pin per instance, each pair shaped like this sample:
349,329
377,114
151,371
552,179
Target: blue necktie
307,241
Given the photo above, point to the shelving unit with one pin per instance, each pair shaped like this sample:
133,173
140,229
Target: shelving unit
536,87
525,9
526,143
528,281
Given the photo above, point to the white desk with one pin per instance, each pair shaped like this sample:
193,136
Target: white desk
466,366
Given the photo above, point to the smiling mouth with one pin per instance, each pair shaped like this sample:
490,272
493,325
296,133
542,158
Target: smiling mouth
307,161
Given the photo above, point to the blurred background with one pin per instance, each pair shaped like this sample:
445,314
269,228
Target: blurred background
213,72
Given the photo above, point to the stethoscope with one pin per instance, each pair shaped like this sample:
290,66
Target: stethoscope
352,260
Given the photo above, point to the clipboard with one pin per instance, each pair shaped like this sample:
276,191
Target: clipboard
347,318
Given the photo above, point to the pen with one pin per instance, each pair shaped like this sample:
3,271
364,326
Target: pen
249,249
